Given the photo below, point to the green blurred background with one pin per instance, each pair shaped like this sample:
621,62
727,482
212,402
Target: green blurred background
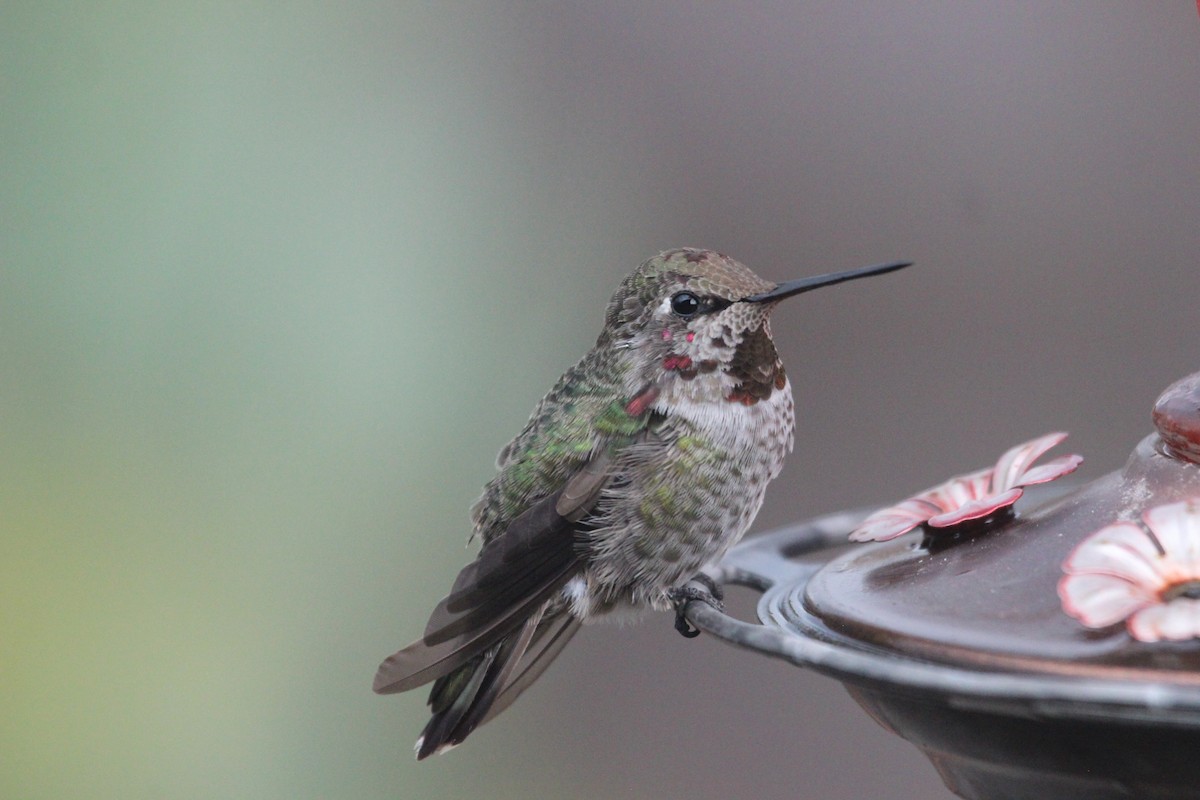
278,280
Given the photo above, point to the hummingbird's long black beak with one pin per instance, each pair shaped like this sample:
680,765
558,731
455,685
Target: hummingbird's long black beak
790,288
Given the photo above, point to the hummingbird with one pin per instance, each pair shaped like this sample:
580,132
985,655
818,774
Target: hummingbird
646,461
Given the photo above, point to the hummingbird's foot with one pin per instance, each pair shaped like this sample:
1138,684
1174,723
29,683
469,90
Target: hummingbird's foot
702,588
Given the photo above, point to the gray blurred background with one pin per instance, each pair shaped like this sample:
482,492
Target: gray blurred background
278,280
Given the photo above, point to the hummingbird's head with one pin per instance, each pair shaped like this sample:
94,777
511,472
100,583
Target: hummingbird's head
699,318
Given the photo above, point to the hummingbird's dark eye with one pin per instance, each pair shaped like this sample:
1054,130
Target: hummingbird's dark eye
685,304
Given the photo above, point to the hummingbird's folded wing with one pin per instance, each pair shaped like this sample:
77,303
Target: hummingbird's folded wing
513,575
493,595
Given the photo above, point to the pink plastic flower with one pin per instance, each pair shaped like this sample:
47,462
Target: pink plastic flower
972,497
1149,577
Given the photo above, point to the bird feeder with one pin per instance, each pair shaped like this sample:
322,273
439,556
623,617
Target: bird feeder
1046,648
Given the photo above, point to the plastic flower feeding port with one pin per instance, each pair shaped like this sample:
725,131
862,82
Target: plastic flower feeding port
1050,652
973,503
1147,576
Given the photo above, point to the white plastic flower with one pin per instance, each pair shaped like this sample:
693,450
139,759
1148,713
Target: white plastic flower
1149,577
971,497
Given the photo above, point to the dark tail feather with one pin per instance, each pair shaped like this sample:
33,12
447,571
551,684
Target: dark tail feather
461,700
513,576
487,641
450,699
548,641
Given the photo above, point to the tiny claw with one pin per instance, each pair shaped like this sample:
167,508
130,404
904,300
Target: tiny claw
686,629
707,592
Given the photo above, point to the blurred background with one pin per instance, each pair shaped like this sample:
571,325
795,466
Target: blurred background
278,280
